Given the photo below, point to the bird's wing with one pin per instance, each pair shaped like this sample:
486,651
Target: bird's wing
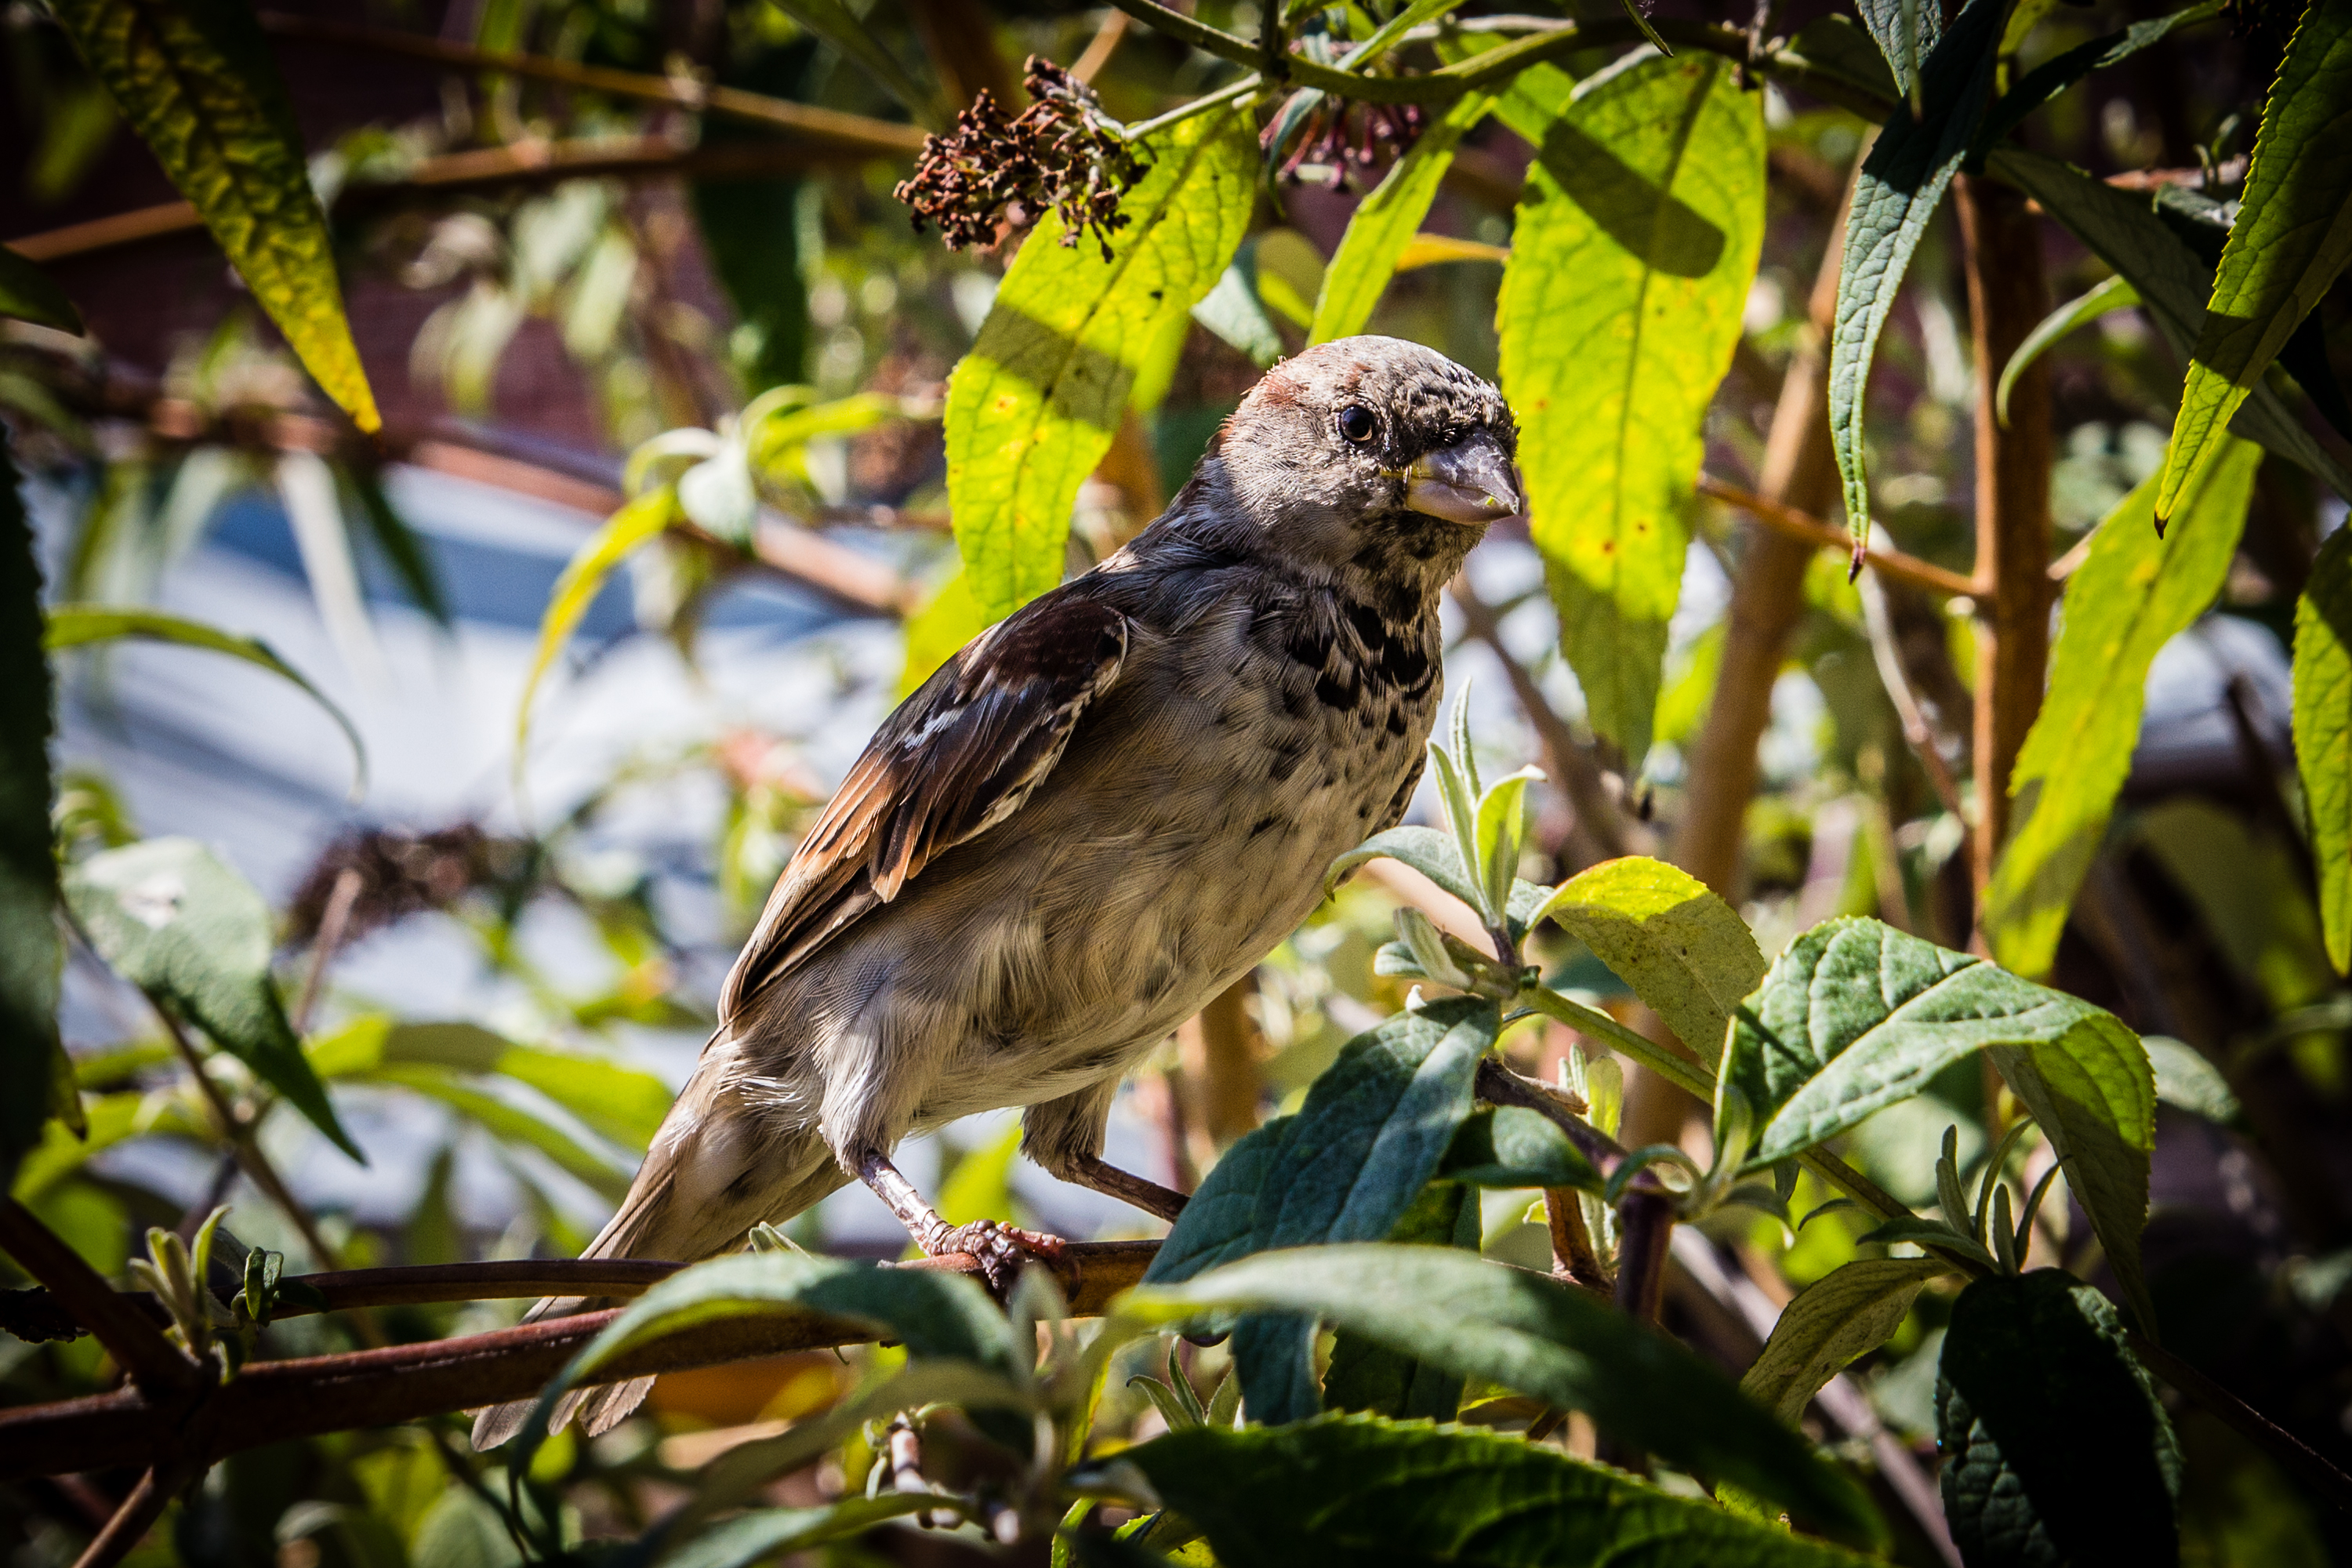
955,759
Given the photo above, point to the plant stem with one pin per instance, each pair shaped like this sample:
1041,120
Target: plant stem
334,921
1800,527
137,1516
877,137
136,1343
2007,299
2283,1445
1645,1227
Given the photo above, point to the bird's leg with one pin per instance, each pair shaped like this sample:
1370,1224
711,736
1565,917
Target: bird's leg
1093,1171
1000,1250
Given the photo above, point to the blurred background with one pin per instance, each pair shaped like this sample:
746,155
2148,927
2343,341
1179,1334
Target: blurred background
506,947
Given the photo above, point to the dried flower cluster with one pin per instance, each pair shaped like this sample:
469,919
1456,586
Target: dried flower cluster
400,874
993,175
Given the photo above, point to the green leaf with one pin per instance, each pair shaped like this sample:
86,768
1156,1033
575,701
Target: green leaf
1901,185
1356,1491
1352,1160
1438,856
937,1316
1515,1147
1537,1336
1670,936
623,1103
2173,281
196,81
111,1119
1906,33
837,25
2115,294
2133,594
1385,223
750,231
2292,236
76,625
172,919
29,953
2056,1448
1233,312
1032,409
2187,1081
1636,243
30,294
1849,1311
639,521
2055,75
1366,1375
2322,734
761,1536
399,544
1856,1016
1836,48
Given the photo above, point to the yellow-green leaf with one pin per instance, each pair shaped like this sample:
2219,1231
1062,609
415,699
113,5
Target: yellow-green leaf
1033,408
2134,593
1849,1311
1666,934
2322,734
30,294
1635,243
635,523
196,81
951,618
75,626
1387,222
2292,236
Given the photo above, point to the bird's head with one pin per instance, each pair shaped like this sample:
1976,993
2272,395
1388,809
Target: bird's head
1369,454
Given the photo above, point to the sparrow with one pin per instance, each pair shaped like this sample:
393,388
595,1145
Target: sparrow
1092,819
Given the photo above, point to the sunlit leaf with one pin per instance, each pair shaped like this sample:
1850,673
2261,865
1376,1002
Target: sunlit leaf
949,619
1848,1313
2187,1081
314,513
2322,734
28,866
1901,185
1670,936
2173,282
2056,1448
196,81
1387,222
30,294
1033,408
1856,1016
623,1103
111,1119
1537,1336
2133,594
1635,246
77,626
2292,236
637,522
170,916
2114,294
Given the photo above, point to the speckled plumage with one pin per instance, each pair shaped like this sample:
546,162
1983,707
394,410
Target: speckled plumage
1097,816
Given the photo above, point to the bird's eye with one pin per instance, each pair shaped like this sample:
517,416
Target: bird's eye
1357,423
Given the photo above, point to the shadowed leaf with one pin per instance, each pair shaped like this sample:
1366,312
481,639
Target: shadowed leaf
1847,1312
28,866
2322,734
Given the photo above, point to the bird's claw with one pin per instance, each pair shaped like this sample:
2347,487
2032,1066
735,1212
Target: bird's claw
1000,1250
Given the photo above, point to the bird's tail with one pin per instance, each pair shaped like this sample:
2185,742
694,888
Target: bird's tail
697,1195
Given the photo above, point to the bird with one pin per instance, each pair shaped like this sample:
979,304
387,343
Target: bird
1087,823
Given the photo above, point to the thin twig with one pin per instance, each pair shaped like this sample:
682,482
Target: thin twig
1499,1085
334,921
1101,46
137,1345
137,1516
1801,525
1880,627
2283,1445
880,138
1597,821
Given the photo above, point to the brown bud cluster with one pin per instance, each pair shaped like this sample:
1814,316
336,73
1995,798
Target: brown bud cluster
397,874
992,175
1316,137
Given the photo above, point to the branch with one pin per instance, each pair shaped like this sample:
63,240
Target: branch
1813,531
271,1402
480,169
137,1515
137,1345
2283,1445
857,132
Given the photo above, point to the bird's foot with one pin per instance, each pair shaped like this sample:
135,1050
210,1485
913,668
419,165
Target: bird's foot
1000,1250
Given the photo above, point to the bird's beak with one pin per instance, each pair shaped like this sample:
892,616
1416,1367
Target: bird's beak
1471,482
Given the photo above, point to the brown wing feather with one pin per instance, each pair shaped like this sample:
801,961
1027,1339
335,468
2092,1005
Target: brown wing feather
955,759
